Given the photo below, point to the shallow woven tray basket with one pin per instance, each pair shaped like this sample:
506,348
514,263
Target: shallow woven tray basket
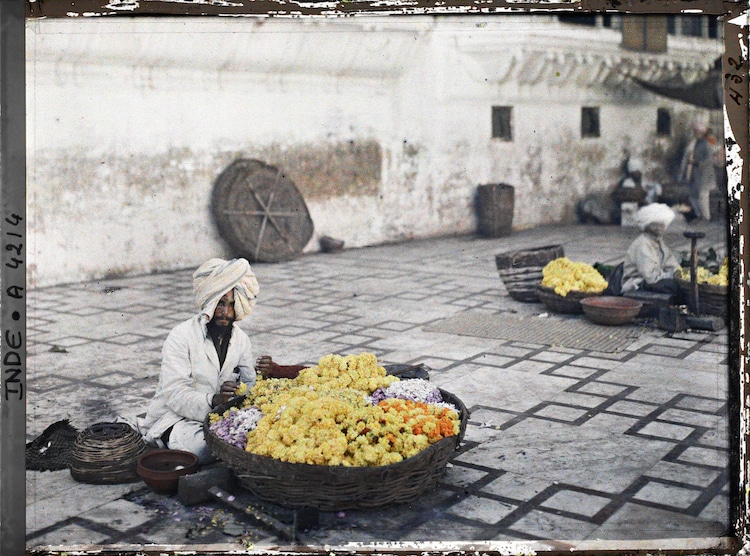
712,299
106,453
521,270
570,304
334,488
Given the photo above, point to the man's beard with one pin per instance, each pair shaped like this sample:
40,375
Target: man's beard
219,329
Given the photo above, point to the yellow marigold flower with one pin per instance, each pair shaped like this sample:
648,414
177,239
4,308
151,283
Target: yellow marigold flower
241,389
564,276
705,276
324,417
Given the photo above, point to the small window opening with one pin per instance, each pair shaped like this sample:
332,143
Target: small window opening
713,28
663,122
590,121
501,123
692,25
671,25
577,19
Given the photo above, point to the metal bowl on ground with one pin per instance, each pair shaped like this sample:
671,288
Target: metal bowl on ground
610,310
162,469
408,371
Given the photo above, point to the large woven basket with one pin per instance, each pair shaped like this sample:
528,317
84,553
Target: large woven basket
107,453
334,488
571,303
521,270
712,299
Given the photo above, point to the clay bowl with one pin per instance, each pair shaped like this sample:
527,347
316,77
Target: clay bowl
162,469
610,310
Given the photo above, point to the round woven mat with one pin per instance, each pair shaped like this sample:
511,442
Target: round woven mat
260,213
106,453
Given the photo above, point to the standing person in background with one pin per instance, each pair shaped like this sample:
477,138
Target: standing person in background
697,171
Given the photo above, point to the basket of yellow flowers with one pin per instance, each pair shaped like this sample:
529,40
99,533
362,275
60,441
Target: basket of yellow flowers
342,435
565,283
713,288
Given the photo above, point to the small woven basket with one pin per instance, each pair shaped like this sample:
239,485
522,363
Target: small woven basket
107,453
712,299
521,270
570,303
334,488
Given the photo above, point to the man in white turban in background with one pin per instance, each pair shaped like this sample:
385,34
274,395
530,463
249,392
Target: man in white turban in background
650,264
635,179
205,358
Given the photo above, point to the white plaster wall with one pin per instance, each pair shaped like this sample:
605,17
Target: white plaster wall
104,222
131,121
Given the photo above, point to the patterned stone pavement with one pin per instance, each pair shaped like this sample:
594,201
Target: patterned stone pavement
563,444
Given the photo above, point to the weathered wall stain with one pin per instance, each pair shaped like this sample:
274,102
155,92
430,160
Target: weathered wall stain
532,167
151,212
454,193
581,166
409,167
324,169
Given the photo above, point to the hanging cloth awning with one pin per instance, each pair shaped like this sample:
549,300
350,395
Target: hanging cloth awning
706,93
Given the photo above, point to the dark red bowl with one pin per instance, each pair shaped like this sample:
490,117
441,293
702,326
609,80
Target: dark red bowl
162,469
611,310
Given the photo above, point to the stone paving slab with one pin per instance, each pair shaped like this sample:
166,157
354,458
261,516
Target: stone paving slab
563,444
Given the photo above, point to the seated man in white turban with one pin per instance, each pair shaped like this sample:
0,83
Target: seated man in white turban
205,358
650,264
635,179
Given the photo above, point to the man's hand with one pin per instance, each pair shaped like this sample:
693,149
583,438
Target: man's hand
264,365
226,393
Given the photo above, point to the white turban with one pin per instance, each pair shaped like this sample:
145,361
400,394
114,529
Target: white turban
655,213
216,277
635,165
699,125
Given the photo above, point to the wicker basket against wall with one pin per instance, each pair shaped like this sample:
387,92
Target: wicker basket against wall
521,270
712,299
334,488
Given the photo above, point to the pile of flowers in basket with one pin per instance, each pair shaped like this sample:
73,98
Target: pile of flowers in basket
705,276
564,275
344,411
